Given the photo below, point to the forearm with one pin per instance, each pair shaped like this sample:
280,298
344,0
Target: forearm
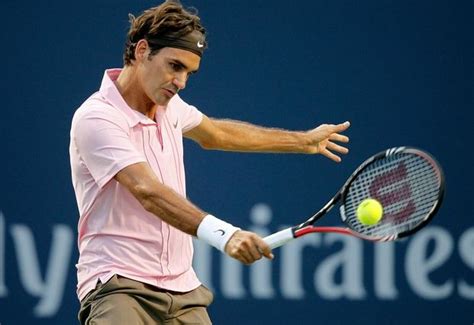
245,137
159,199
172,208
182,214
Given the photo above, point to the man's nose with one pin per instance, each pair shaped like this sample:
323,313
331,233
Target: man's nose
180,81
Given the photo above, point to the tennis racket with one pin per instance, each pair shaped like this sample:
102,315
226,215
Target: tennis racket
409,184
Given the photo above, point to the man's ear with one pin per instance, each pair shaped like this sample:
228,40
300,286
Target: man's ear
141,50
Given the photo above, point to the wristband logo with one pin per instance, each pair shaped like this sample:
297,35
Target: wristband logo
221,231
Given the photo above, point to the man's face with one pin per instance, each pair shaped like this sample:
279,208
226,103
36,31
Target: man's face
165,73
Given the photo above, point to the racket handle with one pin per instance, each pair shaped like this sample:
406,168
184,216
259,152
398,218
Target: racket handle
279,238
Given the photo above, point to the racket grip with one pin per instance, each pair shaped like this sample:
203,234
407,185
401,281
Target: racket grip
279,238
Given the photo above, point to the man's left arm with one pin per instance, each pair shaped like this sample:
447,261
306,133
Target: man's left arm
241,136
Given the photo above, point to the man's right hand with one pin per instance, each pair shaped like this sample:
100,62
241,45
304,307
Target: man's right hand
247,247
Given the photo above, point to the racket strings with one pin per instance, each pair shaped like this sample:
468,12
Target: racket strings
403,199
406,184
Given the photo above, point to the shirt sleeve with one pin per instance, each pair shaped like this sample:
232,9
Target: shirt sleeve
188,115
103,143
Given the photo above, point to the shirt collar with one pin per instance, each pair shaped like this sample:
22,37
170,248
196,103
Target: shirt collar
109,91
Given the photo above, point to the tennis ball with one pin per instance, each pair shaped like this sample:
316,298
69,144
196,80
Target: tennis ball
369,212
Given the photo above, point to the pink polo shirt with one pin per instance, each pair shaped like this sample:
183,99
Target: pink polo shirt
116,234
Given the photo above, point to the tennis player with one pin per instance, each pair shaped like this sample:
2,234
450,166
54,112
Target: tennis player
136,225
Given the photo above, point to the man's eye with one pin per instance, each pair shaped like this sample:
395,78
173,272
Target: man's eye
175,67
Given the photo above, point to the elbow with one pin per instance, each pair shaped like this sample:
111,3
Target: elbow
219,140
208,145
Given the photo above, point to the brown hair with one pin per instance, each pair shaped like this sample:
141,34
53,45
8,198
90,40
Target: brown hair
168,19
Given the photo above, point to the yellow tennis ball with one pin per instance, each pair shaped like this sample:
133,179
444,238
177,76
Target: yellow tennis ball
369,212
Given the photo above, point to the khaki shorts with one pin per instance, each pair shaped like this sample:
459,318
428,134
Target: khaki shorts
124,301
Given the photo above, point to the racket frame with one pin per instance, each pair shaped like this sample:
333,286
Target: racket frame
280,238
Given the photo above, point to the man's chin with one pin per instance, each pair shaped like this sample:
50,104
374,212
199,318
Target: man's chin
163,101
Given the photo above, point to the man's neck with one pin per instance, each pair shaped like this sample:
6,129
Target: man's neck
128,86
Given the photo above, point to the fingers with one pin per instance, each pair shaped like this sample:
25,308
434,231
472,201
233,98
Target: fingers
335,147
330,155
342,127
265,249
331,149
338,128
247,247
338,137
245,257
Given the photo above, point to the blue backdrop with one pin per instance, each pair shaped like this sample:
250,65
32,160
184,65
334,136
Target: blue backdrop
400,71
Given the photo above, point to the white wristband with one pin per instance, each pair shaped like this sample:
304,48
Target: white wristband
215,232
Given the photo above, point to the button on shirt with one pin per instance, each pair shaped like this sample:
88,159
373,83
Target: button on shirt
116,234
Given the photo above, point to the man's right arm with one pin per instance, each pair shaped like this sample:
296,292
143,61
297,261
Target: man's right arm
100,137
180,213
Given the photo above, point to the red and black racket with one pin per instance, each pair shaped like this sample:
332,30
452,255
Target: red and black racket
409,184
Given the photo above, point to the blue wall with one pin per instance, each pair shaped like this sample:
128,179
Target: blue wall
401,72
